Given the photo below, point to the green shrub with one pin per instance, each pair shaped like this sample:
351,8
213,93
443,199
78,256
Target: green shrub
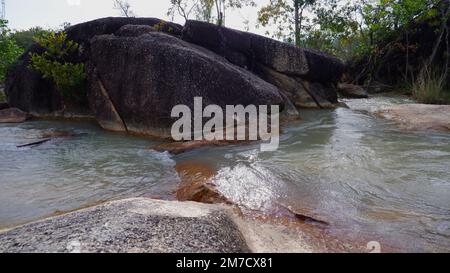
429,87
9,50
69,78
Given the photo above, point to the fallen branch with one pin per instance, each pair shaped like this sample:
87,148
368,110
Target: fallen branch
34,143
47,139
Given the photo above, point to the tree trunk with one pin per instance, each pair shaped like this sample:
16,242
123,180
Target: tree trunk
297,22
445,15
219,8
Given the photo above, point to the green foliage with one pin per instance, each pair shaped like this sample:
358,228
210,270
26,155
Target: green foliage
335,29
25,38
342,27
289,18
68,77
9,50
163,26
371,35
204,11
278,14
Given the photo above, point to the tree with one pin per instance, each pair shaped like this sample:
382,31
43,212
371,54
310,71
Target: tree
206,10
124,8
53,64
335,28
287,15
221,7
185,8
25,38
9,50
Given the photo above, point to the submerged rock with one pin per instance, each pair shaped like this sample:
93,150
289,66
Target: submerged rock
352,91
132,225
12,115
419,116
197,185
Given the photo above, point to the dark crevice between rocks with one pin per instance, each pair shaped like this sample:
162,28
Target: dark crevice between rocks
311,94
104,92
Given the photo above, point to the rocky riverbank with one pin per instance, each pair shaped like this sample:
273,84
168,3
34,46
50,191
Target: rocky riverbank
418,116
147,225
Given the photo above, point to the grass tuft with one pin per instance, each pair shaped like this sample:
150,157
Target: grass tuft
429,87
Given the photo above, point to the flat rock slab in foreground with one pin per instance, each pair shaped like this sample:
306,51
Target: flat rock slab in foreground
419,116
132,225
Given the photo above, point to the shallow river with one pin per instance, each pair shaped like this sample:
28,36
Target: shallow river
362,174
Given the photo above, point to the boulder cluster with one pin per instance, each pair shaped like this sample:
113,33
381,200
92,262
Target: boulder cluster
138,69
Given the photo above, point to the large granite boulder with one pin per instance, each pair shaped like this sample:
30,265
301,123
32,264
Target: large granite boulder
131,225
302,93
28,91
352,91
290,68
134,82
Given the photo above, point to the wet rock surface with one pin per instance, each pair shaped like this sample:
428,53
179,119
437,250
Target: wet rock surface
197,184
418,116
12,115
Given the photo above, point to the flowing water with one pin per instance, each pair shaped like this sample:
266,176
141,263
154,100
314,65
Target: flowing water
68,173
360,173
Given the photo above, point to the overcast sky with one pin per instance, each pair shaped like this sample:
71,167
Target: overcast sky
23,14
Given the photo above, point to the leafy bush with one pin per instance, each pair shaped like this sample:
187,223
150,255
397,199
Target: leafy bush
429,87
9,50
68,77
